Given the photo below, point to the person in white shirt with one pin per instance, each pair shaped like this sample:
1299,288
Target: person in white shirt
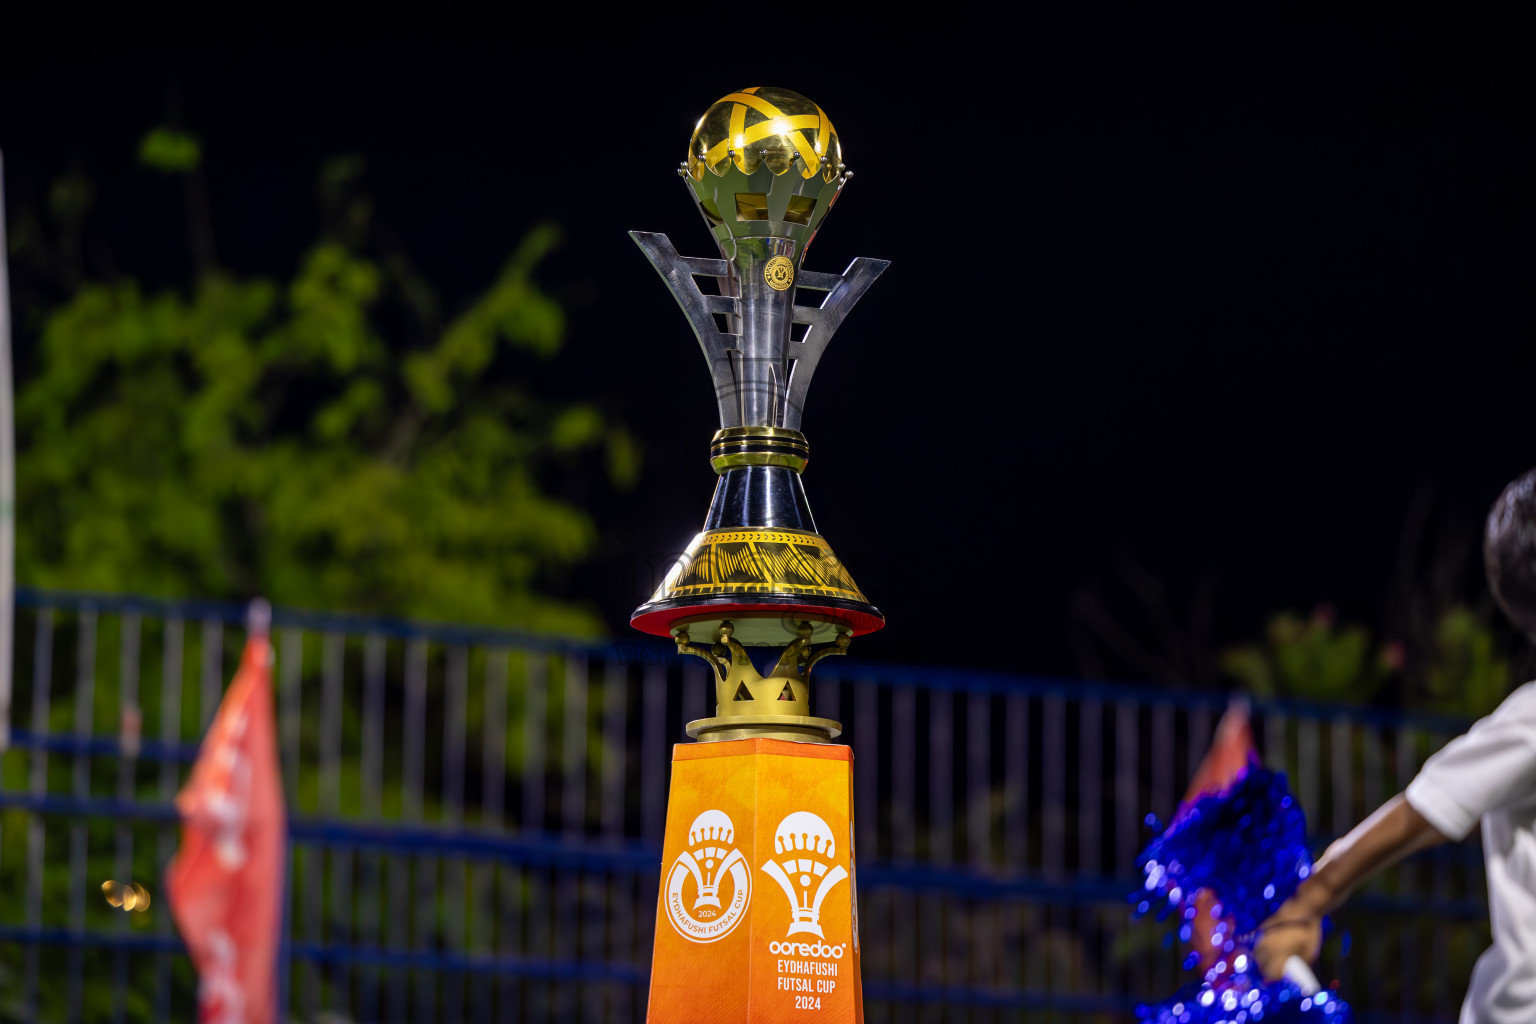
1487,775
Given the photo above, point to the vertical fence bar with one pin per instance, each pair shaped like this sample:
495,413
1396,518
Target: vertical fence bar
1016,753
508,878
339,859
42,676
1127,786
977,953
654,744
290,669
827,699
1053,780
1199,736
1372,956
1016,772
290,654
530,883
213,670
370,799
1439,889
1274,740
85,707
1162,746
1307,754
866,769
1090,801
535,730
421,869
1408,880
905,961
1341,757
941,826
170,778
455,724
307,890
567,1001
1371,770
1128,828
941,781
493,779
129,727
978,778
904,772
493,714
1090,827
573,762
698,693
653,751
611,938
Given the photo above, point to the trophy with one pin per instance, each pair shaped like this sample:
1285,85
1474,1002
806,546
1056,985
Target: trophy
757,918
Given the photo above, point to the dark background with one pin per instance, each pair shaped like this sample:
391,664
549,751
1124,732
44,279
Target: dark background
1238,315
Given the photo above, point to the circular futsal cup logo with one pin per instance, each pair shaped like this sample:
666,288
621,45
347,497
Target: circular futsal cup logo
779,273
709,886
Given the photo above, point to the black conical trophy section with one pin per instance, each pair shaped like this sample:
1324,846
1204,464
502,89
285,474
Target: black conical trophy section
760,496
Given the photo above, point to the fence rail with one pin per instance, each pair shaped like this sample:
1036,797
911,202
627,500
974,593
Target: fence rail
476,819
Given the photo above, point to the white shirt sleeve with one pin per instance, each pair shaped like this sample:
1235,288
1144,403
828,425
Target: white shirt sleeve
1490,767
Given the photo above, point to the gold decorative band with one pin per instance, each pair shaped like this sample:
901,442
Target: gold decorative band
758,446
721,463
782,434
759,561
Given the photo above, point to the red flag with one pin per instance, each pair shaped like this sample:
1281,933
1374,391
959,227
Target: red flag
225,885
1231,751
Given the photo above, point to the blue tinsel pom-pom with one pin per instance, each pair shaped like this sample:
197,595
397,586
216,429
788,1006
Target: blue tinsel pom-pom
1242,996
1246,843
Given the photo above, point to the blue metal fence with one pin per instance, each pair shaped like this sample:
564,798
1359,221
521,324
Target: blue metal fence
476,819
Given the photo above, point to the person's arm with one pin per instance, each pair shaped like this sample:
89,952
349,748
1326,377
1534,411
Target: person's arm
1386,837
1491,766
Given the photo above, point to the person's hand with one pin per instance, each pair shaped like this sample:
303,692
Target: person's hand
1296,929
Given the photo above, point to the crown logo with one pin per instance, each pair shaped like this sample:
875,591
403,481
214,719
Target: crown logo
805,849
710,862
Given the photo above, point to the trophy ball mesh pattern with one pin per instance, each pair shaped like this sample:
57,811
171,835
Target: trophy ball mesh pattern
764,125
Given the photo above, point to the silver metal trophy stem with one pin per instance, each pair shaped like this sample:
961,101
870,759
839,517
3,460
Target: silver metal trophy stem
761,375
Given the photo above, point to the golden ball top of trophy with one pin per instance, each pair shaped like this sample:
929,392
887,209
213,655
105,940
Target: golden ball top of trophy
765,126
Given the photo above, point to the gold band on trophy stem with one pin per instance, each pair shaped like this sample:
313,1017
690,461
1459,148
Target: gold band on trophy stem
721,463
770,433
734,447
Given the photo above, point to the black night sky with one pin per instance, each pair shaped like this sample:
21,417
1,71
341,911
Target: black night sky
1229,310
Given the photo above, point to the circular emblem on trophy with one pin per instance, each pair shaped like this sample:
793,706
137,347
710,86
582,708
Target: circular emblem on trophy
709,886
779,273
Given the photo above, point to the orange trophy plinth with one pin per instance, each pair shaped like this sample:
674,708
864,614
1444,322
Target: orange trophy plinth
757,919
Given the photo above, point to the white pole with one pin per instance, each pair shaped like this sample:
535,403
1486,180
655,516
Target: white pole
7,485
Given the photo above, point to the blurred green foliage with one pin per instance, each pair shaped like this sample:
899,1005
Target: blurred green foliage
167,149
329,440
1470,673
1459,669
1312,657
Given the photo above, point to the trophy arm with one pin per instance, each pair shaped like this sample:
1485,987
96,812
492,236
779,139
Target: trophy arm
679,272
843,290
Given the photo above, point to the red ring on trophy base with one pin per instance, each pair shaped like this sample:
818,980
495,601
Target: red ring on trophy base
661,621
